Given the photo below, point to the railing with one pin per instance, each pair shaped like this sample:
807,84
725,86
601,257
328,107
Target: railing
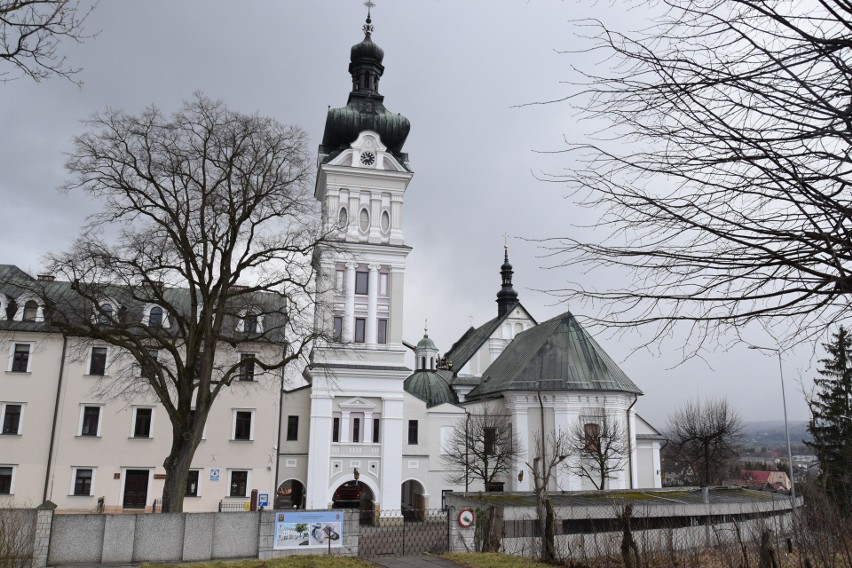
231,506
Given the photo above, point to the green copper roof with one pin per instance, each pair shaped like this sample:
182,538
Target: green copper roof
556,355
426,343
432,387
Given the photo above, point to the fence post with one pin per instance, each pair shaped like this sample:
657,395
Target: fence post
41,542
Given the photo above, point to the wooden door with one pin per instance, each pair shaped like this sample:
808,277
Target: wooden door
135,488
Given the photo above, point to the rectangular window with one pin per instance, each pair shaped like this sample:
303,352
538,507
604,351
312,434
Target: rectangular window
335,430
97,361
383,331
292,428
142,422
82,482
246,367
356,429
242,425
489,439
90,422
21,358
412,431
239,484
192,483
360,329
383,284
6,472
376,424
11,418
337,332
362,285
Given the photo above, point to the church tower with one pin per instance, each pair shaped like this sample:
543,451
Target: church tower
358,370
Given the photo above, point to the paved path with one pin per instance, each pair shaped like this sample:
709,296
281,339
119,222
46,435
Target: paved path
415,562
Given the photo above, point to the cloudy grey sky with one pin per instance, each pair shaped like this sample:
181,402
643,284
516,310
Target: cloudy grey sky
460,71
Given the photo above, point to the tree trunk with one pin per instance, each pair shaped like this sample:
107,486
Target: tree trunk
629,550
177,465
768,559
549,549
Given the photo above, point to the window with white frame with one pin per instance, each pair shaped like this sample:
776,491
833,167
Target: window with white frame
98,361
238,482
12,417
82,481
250,321
155,317
7,479
243,425
105,313
32,311
90,421
143,422
19,357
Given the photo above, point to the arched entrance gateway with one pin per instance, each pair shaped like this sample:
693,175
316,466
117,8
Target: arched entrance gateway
290,495
413,499
353,494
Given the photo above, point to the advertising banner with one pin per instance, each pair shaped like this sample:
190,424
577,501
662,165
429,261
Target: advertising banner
308,529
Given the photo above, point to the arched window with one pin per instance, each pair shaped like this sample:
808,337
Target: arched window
250,325
155,317
30,311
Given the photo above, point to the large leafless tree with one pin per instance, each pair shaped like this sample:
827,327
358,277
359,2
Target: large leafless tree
208,215
483,447
600,446
719,167
704,437
549,454
31,32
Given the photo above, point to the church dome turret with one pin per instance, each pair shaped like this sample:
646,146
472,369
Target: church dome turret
506,297
365,109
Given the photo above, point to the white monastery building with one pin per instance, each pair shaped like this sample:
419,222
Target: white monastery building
363,427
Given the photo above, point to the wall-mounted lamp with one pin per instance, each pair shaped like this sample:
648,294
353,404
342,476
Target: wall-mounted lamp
356,473
521,475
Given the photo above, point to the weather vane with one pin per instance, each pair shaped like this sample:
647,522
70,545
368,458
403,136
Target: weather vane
368,27
426,321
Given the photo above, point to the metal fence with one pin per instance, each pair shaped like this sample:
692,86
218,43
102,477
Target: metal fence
231,506
406,532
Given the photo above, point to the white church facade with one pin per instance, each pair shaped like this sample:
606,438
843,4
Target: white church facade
373,422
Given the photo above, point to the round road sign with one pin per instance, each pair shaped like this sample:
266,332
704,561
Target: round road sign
466,518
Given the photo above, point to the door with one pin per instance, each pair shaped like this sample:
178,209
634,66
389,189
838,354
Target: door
135,488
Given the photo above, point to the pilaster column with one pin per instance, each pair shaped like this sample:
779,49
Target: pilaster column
344,427
393,425
520,419
368,428
349,305
372,304
319,453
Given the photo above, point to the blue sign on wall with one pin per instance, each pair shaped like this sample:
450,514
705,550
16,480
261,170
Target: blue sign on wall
263,499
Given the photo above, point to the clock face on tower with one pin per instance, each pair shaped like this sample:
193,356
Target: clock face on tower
368,158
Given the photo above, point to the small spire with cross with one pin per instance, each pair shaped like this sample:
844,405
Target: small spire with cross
426,327
368,26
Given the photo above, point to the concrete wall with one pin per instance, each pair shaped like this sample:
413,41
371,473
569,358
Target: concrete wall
119,539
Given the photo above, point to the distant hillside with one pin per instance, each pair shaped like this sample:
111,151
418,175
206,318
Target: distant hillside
770,432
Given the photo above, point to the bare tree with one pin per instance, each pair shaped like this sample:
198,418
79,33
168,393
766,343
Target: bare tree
602,446
550,452
213,225
483,446
30,34
705,436
720,161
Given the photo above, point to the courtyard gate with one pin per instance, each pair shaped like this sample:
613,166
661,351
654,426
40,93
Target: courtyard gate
409,532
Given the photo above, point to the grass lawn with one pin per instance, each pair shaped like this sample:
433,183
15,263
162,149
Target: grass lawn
493,560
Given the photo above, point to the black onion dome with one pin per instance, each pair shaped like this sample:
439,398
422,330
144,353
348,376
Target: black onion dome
507,297
365,109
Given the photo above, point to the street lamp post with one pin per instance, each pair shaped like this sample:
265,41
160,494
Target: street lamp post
786,426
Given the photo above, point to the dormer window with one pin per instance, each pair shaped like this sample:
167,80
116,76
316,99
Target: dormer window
250,322
30,311
105,314
155,317
26,308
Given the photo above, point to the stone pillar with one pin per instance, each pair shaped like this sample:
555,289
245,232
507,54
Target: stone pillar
349,305
319,453
41,542
372,304
393,426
